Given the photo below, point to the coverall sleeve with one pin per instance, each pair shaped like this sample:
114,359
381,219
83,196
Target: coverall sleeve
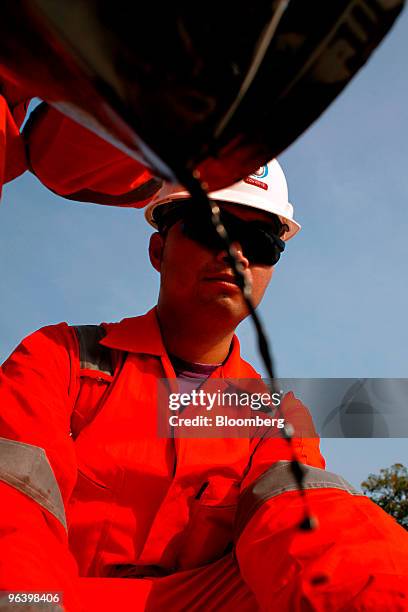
75,163
355,559
38,385
13,104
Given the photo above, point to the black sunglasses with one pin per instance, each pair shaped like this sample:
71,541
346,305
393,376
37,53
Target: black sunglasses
259,240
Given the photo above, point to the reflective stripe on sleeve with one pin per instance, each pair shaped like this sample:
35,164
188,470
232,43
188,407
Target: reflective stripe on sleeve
93,356
279,479
26,468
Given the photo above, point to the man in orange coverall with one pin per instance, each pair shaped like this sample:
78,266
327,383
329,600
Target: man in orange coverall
95,505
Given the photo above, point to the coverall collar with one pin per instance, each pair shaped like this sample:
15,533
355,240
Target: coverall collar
142,335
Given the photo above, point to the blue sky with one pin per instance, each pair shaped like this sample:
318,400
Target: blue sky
338,302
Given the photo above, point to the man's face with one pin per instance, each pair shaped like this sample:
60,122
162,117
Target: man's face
199,280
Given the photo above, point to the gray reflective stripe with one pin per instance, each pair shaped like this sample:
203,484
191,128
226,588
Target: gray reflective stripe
279,479
26,468
93,356
35,607
145,191
26,607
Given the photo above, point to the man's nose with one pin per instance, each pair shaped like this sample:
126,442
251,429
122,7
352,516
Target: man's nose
223,255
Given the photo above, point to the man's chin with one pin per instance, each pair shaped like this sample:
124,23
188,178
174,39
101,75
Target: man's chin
231,308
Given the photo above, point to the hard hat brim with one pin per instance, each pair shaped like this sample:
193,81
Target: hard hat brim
231,198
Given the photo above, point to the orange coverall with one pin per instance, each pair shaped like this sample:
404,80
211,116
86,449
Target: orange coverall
140,536
67,158
13,104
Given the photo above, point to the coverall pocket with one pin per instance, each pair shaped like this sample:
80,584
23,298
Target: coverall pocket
209,531
90,515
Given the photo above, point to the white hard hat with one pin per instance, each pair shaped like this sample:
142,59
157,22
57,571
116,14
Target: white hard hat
266,189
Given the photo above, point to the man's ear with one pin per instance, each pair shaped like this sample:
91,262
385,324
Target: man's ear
156,246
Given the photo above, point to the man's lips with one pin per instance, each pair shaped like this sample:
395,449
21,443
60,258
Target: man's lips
221,278
226,278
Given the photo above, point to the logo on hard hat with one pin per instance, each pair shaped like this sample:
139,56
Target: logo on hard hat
253,179
260,173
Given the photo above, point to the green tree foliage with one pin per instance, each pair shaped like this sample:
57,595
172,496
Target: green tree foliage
389,490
